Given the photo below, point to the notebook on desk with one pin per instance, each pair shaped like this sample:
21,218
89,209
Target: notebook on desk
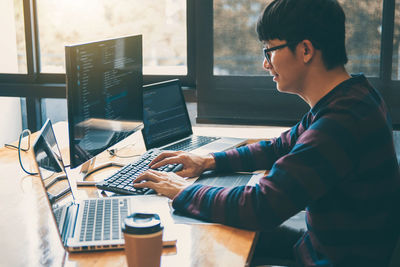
92,223
167,124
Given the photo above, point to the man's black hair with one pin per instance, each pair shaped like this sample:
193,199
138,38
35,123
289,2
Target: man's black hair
320,21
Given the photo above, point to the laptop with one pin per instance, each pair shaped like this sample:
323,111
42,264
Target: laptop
167,124
91,223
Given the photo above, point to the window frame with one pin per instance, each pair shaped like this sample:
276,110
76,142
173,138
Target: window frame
36,85
255,98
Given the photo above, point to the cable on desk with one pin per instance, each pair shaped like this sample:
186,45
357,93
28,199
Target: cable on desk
19,150
113,152
23,149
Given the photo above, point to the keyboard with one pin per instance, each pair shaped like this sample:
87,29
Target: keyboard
121,182
59,214
102,219
191,143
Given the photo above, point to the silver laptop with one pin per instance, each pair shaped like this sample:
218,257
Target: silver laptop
167,124
87,224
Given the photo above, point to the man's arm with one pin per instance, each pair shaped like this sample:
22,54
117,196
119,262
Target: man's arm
321,158
261,155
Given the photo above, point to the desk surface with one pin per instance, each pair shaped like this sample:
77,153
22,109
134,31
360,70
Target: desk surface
28,235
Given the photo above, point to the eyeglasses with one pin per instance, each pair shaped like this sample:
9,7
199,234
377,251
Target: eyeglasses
267,51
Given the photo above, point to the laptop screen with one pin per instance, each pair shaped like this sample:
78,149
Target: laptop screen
52,171
165,115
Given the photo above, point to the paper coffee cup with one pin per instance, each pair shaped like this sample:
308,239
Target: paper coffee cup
143,239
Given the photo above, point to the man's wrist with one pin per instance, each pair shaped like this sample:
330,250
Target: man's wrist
210,162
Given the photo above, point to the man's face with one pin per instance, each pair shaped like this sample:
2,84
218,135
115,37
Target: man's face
285,67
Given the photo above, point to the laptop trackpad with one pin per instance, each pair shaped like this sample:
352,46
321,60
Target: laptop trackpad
212,147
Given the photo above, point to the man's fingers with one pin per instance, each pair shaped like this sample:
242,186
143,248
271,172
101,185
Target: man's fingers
162,156
149,175
170,160
146,184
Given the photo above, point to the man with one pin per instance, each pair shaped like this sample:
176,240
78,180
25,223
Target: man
338,163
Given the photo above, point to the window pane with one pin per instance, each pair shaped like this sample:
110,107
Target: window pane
13,124
237,50
363,35
396,44
54,109
396,137
162,24
12,45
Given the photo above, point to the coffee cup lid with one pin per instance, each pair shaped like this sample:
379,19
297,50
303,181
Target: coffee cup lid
141,223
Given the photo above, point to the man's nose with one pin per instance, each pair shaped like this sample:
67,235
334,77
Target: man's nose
266,64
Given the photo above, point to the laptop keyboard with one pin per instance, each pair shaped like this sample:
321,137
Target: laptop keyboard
102,219
191,143
121,181
57,214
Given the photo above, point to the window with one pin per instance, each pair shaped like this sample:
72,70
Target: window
363,35
162,23
13,61
13,124
210,45
238,90
12,45
54,109
237,50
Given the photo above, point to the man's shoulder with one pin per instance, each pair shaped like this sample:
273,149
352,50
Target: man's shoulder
357,99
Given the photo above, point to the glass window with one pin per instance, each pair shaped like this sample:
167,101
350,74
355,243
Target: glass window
13,124
162,23
396,44
237,50
54,109
12,45
396,137
363,35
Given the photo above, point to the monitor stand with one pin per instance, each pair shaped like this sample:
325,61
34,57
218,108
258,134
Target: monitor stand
88,168
54,198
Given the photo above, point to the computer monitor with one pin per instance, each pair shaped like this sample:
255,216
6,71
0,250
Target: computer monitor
104,96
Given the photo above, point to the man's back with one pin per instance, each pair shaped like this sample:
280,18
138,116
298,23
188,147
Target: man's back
355,222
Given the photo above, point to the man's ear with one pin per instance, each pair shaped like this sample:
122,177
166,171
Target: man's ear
307,50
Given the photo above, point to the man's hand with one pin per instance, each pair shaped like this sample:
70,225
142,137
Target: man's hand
165,183
193,165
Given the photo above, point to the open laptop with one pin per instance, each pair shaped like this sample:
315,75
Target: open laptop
167,124
92,223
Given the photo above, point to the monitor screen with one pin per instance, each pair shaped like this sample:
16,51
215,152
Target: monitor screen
104,94
165,114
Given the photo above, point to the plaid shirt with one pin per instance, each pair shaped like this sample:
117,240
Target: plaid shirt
338,163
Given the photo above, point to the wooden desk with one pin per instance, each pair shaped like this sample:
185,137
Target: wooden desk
28,235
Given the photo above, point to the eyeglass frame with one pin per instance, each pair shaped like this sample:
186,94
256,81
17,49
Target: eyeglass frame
268,50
